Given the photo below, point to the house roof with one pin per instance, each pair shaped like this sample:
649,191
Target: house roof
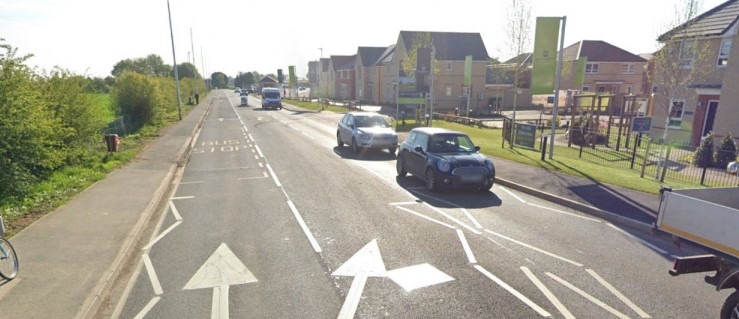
324,64
343,62
451,46
711,23
599,51
267,79
369,55
523,59
386,56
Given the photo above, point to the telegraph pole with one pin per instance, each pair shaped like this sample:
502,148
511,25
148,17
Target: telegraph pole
174,58
556,88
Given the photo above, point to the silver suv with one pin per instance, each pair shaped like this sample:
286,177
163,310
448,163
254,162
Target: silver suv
366,130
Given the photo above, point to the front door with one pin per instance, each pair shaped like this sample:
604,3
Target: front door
710,117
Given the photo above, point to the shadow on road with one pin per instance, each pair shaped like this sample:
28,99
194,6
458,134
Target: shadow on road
472,199
364,154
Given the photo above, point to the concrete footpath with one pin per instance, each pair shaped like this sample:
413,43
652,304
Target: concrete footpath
69,258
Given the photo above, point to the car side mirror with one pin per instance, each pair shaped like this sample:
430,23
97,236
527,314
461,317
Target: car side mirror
477,148
418,149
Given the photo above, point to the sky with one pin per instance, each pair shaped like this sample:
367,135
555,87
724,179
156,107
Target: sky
89,37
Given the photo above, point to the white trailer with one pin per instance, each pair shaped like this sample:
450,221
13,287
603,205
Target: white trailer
709,218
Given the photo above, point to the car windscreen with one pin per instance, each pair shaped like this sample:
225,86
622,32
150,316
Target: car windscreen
271,95
451,143
370,121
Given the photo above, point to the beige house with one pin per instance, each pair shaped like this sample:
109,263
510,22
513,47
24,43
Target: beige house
365,73
451,48
706,53
608,69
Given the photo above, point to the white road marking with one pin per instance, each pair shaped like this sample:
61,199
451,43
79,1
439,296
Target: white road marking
251,138
660,250
403,203
466,246
418,276
552,298
588,297
534,248
261,165
502,246
425,217
512,194
152,275
164,233
253,151
514,292
257,177
219,309
259,151
176,213
349,308
148,308
565,213
187,183
304,227
222,268
308,135
452,218
274,176
182,197
618,294
471,218
256,157
292,127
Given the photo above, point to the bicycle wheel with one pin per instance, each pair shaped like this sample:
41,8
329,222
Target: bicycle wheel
8,260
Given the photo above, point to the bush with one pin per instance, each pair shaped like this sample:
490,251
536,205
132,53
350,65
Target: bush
140,97
703,156
726,152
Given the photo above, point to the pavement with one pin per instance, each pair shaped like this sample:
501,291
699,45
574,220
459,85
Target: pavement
70,258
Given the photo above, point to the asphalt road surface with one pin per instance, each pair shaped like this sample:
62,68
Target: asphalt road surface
272,220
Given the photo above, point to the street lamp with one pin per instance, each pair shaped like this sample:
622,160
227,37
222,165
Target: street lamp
319,70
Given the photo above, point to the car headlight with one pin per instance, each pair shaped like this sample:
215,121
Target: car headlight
444,166
364,137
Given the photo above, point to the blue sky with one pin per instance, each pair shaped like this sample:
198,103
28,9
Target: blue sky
90,36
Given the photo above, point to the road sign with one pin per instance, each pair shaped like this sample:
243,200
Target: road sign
641,124
525,135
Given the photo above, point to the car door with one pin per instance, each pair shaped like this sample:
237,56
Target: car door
417,160
340,131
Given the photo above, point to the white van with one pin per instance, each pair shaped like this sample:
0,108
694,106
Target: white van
271,98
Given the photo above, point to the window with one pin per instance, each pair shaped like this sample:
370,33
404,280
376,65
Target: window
601,89
676,113
585,88
422,140
723,52
628,90
687,54
448,91
591,68
627,68
449,66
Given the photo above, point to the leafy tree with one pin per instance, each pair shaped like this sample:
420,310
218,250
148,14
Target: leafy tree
96,85
187,70
726,152
30,147
123,66
518,41
249,78
219,79
156,66
149,65
703,156
109,81
139,97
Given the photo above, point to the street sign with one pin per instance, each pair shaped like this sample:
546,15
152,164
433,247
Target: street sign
641,124
525,135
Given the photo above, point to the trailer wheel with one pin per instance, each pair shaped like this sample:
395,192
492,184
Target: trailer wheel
730,310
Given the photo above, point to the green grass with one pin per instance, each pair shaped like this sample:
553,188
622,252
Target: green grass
104,103
313,106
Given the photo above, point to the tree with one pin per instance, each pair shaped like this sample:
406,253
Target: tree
409,63
149,65
139,97
219,79
249,78
703,156
518,41
726,152
187,70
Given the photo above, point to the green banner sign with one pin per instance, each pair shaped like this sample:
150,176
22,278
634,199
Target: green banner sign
580,75
468,71
525,135
293,77
545,55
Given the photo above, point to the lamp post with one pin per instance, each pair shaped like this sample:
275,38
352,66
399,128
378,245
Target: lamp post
319,70
174,58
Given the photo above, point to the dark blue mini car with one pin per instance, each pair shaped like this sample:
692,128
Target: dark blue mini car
444,159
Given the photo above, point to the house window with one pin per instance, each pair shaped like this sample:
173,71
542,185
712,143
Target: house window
448,90
723,53
601,89
676,113
449,66
585,88
591,68
687,54
627,68
628,90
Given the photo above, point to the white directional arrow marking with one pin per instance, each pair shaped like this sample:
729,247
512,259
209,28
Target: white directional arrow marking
220,271
366,262
220,119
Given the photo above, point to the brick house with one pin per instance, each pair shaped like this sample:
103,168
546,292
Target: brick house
343,77
365,72
706,50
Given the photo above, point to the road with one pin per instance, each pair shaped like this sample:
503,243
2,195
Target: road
272,220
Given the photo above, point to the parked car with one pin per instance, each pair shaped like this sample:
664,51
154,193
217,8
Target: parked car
366,130
444,159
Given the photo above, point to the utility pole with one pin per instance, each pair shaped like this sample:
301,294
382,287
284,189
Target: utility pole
556,88
174,58
195,79
431,89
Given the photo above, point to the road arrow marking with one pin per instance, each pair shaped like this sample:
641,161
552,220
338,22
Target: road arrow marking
220,119
365,263
418,276
220,271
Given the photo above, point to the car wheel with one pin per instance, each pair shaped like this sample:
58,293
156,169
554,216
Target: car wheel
338,140
430,180
355,148
400,167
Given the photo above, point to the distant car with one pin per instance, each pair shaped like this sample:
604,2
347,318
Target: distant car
271,98
237,90
444,159
366,130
